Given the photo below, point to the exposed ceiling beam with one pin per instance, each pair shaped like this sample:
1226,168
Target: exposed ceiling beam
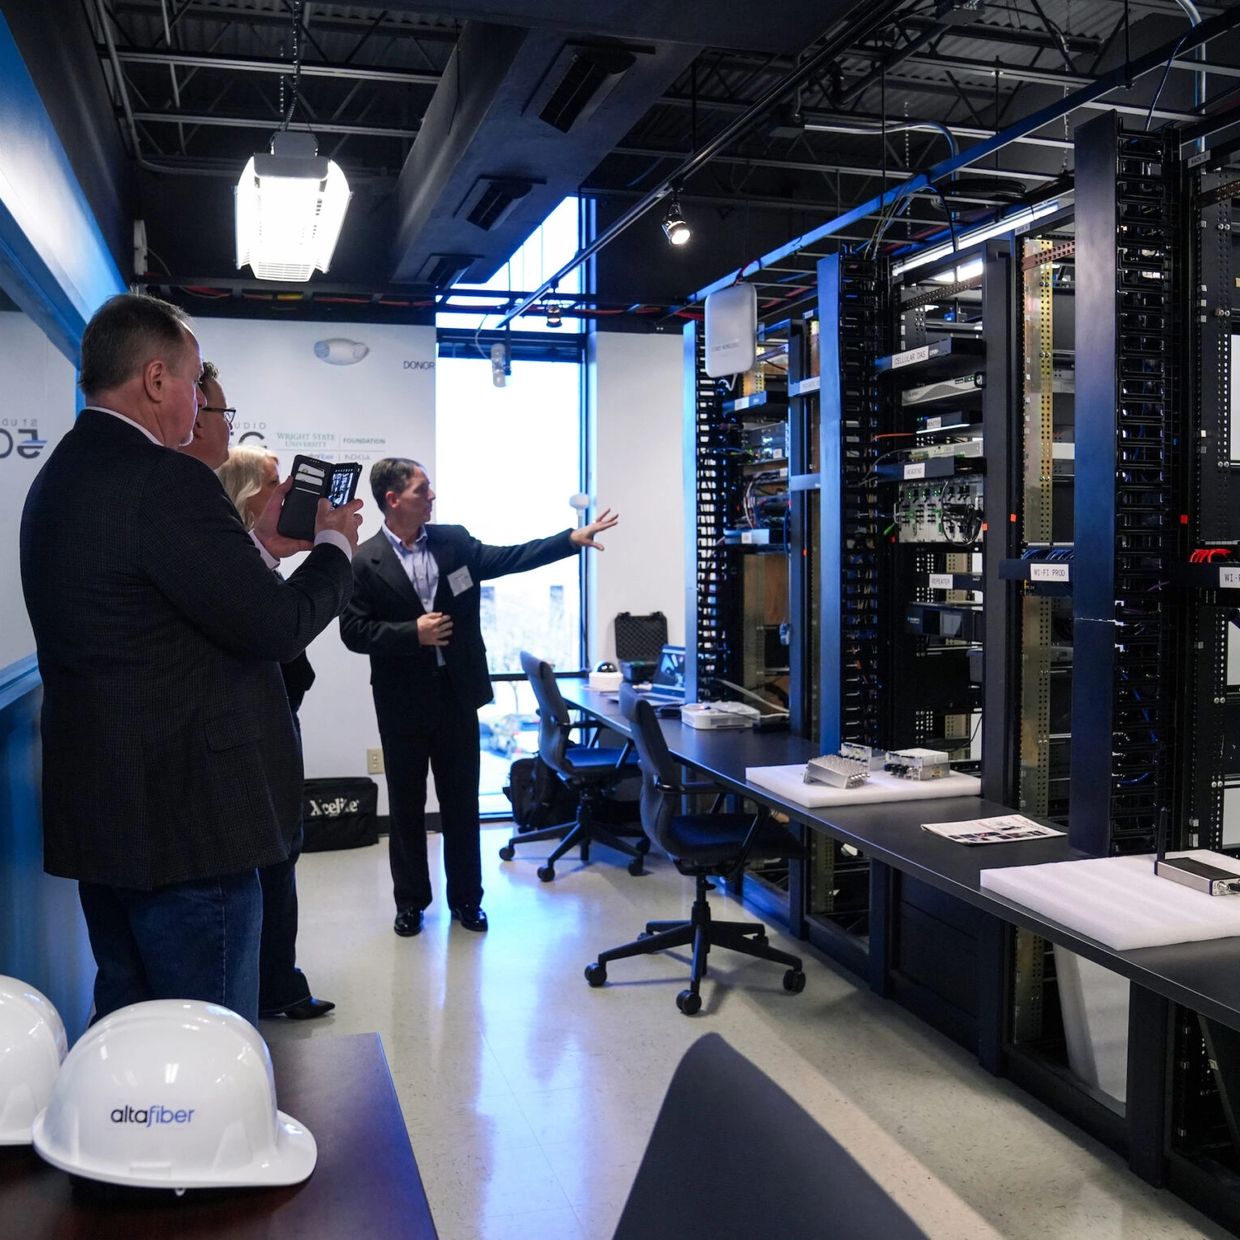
1152,60
692,198
255,64
1005,71
176,117
1045,77
813,166
337,23
1019,36
823,122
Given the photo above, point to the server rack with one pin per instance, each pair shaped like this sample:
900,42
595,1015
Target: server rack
1110,332
1125,620
712,566
1205,1088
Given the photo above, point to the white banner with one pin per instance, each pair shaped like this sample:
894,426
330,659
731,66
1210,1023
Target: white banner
341,392
38,409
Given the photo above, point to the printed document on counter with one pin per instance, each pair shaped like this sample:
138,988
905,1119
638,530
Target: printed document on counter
998,830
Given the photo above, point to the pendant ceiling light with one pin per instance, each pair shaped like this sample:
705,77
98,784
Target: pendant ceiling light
291,204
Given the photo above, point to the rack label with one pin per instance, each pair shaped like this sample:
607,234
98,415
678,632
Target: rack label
941,581
915,471
1229,578
910,356
933,424
1050,572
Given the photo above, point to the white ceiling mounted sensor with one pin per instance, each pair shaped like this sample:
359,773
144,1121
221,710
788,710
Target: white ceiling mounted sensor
290,207
731,330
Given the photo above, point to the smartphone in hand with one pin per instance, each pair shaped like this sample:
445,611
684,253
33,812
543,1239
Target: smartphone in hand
314,480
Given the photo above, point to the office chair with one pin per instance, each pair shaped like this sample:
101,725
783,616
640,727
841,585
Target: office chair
591,772
700,845
732,1157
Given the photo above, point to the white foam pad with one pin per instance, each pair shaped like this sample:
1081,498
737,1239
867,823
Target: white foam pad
1120,901
789,782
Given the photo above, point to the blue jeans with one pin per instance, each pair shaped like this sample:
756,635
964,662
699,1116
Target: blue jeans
194,940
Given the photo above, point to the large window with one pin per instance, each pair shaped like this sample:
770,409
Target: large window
507,461
544,252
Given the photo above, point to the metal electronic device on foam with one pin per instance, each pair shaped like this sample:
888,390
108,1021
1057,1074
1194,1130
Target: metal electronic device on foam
849,768
1191,872
918,763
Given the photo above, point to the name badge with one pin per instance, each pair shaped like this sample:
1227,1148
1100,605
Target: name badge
460,581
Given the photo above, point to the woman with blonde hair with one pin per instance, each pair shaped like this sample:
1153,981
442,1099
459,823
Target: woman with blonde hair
250,477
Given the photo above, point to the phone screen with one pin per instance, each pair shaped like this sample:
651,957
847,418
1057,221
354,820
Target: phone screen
344,480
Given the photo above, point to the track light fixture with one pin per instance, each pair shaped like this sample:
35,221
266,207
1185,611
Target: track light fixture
675,227
554,314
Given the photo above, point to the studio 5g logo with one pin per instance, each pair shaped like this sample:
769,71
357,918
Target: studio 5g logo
20,436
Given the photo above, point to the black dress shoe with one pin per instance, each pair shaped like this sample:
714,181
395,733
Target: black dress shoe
408,922
471,917
309,1008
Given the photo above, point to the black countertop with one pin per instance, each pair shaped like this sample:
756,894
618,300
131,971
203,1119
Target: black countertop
1202,976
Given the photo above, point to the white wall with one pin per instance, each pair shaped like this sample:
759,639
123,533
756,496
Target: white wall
636,468
37,383
382,405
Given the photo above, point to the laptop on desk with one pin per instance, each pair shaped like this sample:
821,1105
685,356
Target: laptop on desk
667,686
666,690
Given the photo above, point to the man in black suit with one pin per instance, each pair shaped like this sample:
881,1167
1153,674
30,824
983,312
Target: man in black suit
170,766
415,612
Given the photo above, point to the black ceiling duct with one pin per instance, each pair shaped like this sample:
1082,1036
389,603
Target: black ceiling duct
491,199
444,270
577,81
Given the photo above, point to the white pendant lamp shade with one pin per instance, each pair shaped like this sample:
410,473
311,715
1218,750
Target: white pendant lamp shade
290,207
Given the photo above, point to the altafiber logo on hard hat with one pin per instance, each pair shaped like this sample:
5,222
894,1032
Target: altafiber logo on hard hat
151,1115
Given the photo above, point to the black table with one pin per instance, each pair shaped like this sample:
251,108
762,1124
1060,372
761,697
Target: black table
366,1182
1203,977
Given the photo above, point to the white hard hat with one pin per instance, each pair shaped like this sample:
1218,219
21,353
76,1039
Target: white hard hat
32,1045
174,1093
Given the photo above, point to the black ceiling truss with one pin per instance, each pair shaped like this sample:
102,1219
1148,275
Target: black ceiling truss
197,86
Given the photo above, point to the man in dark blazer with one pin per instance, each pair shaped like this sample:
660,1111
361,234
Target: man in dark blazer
415,612
170,766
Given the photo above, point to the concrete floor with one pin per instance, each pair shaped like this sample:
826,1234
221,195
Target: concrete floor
530,1097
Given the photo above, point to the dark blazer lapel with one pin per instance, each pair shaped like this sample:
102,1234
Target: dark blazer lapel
391,572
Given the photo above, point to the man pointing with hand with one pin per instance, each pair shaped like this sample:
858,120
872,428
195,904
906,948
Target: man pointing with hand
415,612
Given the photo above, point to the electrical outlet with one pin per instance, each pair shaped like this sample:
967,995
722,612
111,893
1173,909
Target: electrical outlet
374,762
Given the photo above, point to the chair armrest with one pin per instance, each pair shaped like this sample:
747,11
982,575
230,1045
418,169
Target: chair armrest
759,821
699,785
686,789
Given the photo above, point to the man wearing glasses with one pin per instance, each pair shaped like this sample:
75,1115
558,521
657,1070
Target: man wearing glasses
213,425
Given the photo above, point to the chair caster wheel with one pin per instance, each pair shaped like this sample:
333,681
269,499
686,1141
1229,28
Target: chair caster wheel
642,846
689,1003
635,867
546,873
507,852
596,974
794,981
